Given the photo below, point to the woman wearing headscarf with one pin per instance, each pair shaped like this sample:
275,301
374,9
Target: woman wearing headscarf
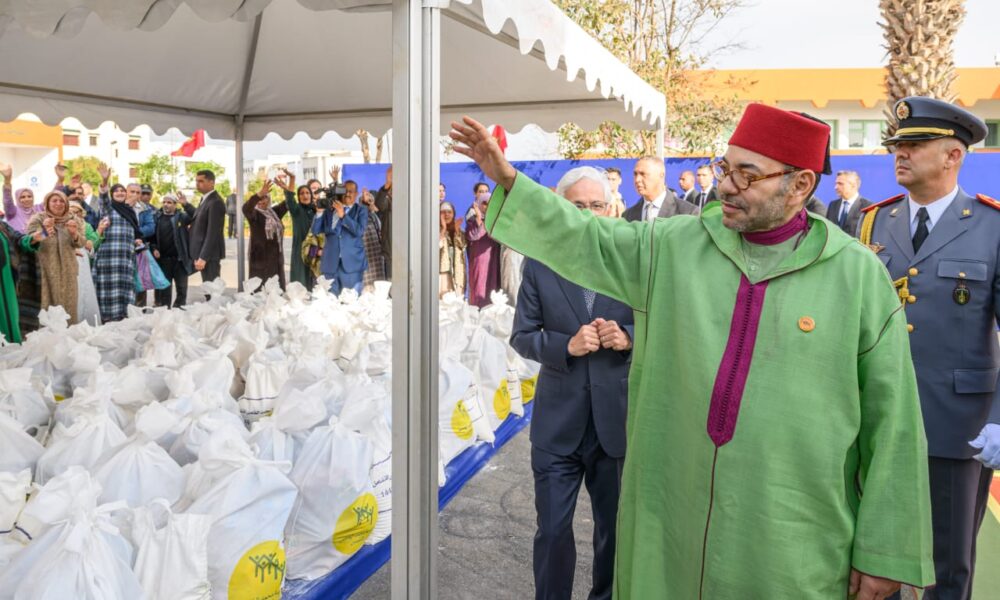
302,208
20,206
87,307
62,234
452,251
15,248
114,263
267,234
484,254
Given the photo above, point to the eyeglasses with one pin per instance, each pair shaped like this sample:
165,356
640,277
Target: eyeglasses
743,179
593,206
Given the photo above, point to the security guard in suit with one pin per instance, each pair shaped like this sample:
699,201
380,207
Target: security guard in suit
941,247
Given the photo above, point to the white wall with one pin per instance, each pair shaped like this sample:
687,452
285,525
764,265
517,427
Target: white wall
33,167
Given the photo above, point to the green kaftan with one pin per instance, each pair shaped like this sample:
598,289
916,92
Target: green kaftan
827,466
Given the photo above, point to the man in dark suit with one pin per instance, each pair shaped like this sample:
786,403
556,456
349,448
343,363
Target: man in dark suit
208,242
685,183
578,427
706,181
170,248
845,211
657,202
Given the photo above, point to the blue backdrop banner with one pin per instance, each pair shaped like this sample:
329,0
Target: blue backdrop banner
878,182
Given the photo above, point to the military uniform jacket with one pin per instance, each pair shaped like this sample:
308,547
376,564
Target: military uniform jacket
951,293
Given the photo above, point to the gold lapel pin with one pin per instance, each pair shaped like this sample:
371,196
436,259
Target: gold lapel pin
893,212
966,212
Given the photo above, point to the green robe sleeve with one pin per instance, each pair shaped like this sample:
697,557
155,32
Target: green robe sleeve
610,256
92,235
893,528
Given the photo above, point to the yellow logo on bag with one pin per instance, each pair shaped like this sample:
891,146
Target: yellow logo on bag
259,573
528,389
461,422
355,524
58,397
501,401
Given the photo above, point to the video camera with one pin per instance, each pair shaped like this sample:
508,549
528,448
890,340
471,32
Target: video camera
326,196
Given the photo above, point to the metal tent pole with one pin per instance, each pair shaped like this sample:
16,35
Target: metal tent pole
415,126
240,254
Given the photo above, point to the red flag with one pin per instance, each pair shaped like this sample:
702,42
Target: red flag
501,136
193,143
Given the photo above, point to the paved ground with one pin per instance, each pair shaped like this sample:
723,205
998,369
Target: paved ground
486,536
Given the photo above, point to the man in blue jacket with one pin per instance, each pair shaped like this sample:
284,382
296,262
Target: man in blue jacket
583,341
343,261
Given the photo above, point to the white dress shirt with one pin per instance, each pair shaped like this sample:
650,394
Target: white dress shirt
651,209
935,210
846,204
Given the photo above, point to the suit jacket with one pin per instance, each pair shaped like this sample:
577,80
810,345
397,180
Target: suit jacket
850,226
570,389
207,239
954,345
695,197
691,196
671,207
816,206
344,247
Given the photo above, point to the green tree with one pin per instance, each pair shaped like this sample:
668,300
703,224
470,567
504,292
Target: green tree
86,166
663,41
223,186
159,172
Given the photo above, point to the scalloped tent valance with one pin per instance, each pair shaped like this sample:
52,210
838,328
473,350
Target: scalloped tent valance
301,65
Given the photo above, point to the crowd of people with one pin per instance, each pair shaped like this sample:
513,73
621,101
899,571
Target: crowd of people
94,255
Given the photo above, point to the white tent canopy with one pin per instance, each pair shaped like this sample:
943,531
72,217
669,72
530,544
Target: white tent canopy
244,68
290,66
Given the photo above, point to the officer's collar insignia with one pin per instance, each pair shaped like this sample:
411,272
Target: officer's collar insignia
876,248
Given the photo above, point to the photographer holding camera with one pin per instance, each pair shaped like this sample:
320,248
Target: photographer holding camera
342,221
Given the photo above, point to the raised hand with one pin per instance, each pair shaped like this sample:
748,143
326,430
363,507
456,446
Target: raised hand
105,172
76,180
476,142
8,173
289,175
265,190
72,227
181,197
282,182
335,173
60,173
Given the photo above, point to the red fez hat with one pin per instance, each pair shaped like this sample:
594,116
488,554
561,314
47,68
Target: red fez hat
791,138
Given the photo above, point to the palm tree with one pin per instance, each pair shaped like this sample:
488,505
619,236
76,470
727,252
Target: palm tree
919,36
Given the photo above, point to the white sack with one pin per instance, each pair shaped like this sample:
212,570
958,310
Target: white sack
55,501
171,560
14,489
336,510
83,444
18,450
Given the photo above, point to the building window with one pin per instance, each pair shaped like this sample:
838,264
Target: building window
992,134
133,172
133,143
834,133
865,134
71,138
93,139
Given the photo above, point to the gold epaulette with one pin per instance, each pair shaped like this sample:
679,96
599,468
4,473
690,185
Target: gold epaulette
868,223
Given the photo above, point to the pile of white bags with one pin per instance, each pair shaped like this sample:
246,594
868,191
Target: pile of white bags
216,451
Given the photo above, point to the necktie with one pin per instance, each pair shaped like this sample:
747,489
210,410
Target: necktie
588,298
921,234
650,214
844,209
701,199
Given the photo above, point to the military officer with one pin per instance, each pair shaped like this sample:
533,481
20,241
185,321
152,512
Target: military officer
941,248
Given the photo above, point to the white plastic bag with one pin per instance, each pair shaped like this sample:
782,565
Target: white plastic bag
18,450
139,470
171,560
456,432
55,501
83,443
200,416
84,558
14,489
280,436
248,502
25,397
264,375
486,357
336,510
